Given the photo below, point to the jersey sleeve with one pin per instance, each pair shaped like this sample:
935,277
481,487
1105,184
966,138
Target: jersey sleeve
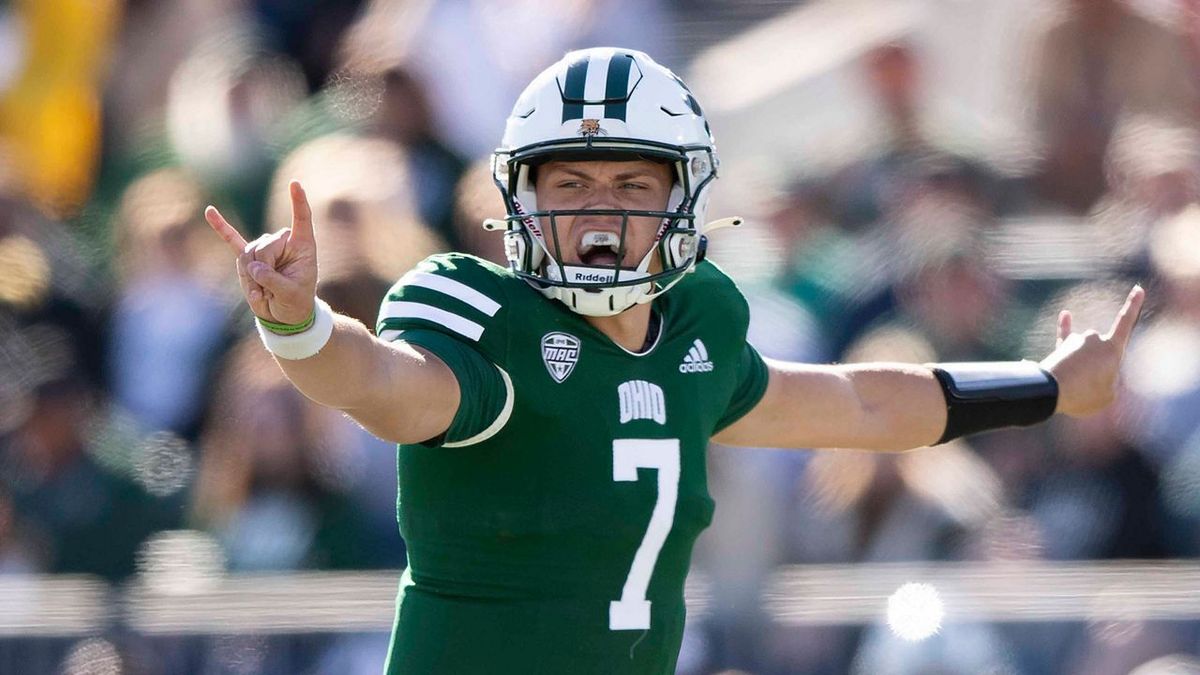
718,306
451,307
751,385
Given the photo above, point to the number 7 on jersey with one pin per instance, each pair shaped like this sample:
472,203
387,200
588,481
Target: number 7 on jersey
632,611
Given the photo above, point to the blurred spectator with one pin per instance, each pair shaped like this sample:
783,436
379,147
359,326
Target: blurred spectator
909,160
463,51
74,514
376,227
227,103
172,313
476,199
404,117
960,306
17,552
1096,61
943,285
1154,164
55,54
843,234
83,517
270,481
1095,497
153,38
1153,171
1163,373
353,291
308,32
1163,368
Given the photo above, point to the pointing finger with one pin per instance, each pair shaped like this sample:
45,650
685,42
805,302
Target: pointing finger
1123,325
226,231
302,226
1064,326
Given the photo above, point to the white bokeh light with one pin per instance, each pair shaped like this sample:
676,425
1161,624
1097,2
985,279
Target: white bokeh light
915,611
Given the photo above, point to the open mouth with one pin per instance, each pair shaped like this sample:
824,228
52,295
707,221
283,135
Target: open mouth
599,248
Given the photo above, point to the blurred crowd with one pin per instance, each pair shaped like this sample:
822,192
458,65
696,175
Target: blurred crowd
135,399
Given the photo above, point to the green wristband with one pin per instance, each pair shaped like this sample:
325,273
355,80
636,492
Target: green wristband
288,328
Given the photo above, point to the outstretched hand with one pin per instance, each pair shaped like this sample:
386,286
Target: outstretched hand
1086,364
277,271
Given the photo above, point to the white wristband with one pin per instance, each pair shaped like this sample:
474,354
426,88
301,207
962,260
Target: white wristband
301,345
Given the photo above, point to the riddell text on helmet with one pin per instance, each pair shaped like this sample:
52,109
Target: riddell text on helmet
584,276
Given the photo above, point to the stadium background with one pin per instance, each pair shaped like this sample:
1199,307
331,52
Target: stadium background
924,180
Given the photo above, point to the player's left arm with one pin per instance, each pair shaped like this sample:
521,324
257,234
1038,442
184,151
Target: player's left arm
891,406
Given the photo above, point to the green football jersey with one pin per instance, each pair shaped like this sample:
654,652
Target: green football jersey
550,530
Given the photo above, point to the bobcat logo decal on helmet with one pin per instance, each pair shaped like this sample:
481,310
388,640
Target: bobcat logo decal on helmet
590,127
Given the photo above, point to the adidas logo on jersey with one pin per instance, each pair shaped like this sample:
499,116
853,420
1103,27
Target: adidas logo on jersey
696,360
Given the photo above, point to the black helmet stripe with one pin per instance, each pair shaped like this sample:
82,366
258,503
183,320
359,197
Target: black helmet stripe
572,92
616,86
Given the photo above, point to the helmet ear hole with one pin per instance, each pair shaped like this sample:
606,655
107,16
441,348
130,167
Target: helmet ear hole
520,251
515,248
678,248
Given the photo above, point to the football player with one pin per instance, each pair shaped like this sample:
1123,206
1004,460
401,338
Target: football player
552,415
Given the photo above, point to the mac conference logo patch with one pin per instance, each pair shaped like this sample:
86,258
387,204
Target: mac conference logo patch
560,353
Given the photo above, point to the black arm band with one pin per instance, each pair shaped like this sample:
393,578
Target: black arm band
982,396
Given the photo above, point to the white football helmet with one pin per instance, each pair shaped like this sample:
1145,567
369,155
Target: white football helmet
604,103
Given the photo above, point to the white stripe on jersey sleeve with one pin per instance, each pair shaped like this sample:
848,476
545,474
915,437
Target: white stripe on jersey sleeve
416,310
454,289
498,423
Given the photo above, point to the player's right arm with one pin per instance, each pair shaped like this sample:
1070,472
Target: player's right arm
396,391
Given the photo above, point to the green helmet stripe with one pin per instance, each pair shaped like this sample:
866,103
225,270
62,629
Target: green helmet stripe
616,86
572,92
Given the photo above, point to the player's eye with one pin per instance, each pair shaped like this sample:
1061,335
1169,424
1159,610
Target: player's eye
633,186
